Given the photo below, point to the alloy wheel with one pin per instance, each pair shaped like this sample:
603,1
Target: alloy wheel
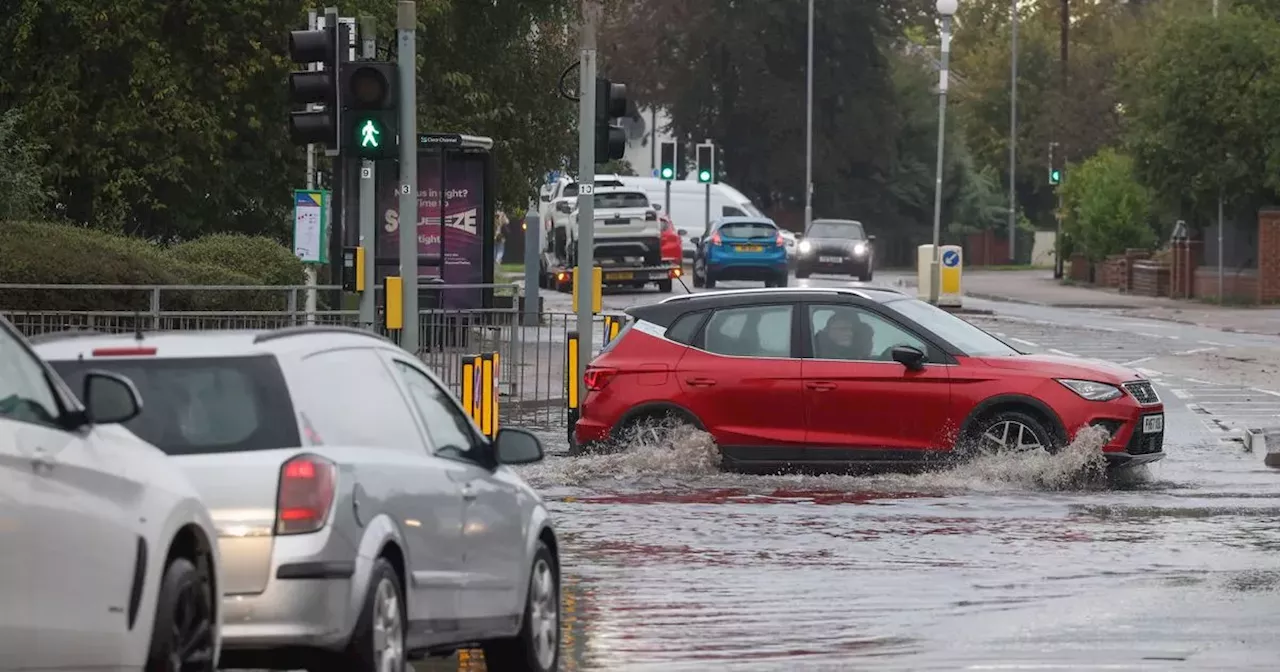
544,614
1008,436
191,646
388,630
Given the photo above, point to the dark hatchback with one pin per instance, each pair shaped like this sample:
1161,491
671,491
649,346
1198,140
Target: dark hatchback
839,246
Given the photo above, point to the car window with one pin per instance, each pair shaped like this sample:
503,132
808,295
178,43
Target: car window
193,406
570,191
967,338
841,230
754,331
350,397
685,328
730,211
854,334
450,430
25,393
748,230
622,199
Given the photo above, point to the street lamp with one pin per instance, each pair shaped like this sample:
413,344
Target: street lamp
947,9
808,143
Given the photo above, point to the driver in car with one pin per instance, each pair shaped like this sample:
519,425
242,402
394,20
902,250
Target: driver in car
843,337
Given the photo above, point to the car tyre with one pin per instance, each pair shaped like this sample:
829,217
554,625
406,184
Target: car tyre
710,280
781,280
182,637
536,648
377,644
1021,431
802,273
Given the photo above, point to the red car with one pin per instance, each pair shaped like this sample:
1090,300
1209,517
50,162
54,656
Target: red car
670,241
830,377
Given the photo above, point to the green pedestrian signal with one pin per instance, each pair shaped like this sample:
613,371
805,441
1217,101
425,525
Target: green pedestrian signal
1055,176
369,135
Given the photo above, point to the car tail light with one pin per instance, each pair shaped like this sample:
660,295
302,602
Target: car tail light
123,352
597,379
307,485
780,241
715,238
650,216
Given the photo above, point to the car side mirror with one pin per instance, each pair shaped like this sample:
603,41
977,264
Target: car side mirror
683,232
563,206
695,240
517,446
910,357
546,198
110,398
871,239
657,207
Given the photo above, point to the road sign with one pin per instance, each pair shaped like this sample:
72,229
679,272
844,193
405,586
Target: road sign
311,226
950,258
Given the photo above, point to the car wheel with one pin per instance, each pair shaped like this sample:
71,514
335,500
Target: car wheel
1008,432
698,269
665,286
182,638
537,647
708,280
377,644
781,280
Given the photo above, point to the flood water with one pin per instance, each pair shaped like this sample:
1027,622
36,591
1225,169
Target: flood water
1035,562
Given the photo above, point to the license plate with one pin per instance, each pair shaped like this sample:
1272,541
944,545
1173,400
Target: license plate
616,222
749,248
1152,424
830,260
619,276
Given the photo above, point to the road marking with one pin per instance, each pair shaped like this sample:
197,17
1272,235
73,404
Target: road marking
1150,373
1062,352
1137,361
1181,394
1150,335
1025,342
1270,392
1203,382
1194,351
1211,343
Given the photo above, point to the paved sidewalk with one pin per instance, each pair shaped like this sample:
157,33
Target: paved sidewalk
1039,288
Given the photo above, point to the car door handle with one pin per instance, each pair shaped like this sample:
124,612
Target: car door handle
700,382
41,464
820,385
469,494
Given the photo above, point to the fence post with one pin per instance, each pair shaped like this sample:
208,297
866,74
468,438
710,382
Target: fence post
571,381
155,309
293,306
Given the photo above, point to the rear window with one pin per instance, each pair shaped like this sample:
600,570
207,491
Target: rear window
748,230
622,199
199,406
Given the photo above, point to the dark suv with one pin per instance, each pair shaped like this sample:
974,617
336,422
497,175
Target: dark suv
836,246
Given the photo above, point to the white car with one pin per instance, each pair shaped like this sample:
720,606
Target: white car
626,226
107,555
363,518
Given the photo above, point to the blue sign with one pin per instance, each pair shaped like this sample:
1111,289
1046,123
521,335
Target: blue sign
950,258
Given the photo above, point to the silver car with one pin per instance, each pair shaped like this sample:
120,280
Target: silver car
362,518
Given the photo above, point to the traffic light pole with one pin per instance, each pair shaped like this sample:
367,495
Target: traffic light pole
310,279
338,177
666,206
407,55
706,213
591,10
368,196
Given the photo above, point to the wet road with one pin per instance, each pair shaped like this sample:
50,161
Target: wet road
1033,563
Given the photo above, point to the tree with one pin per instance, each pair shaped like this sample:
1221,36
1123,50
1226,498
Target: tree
1105,209
22,190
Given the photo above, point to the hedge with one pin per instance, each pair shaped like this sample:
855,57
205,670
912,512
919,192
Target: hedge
44,253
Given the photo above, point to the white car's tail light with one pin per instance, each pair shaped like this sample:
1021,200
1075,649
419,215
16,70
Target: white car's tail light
307,487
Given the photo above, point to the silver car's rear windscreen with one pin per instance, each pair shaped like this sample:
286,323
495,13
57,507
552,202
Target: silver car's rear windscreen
202,405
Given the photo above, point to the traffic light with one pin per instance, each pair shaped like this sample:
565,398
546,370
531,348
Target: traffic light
1055,176
1055,172
318,87
706,163
667,169
370,109
611,103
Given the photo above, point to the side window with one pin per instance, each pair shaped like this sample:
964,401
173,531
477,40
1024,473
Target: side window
349,397
753,331
854,334
730,211
450,430
25,394
685,328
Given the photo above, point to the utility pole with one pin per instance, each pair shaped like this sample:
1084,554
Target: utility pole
368,195
310,269
591,11
808,142
1064,27
407,56
1013,132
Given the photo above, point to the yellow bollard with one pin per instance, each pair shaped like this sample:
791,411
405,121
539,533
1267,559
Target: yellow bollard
597,289
360,269
469,385
486,394
571,381
393,295
497,377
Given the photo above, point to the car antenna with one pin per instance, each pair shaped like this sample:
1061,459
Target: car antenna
680,277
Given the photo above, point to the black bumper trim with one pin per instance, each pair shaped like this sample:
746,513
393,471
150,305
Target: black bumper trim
316,570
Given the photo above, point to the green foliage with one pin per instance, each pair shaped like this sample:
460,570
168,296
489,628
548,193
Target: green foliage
42,253
617,167
22,190
1106,209
1201,110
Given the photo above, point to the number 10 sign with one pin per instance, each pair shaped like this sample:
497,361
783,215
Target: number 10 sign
311,226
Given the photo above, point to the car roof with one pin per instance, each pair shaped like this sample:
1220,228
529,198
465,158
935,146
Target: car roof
65,345
745,219
665,311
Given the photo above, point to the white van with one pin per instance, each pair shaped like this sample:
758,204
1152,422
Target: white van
689,205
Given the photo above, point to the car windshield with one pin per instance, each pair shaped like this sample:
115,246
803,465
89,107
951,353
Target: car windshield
206,405
622,199
841,230
969,339
748,230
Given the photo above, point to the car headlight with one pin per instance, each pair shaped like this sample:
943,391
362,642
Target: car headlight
860,249
1091,390
805,246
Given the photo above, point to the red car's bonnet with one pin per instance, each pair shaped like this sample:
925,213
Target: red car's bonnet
1057,366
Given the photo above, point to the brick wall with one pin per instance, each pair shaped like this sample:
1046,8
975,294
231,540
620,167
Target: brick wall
1268,283
1081,270
1185,257
1111,271
1237,285
1150,278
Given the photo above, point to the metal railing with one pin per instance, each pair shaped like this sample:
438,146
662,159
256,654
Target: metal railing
531,377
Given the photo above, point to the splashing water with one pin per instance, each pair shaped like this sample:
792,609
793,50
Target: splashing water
684,456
